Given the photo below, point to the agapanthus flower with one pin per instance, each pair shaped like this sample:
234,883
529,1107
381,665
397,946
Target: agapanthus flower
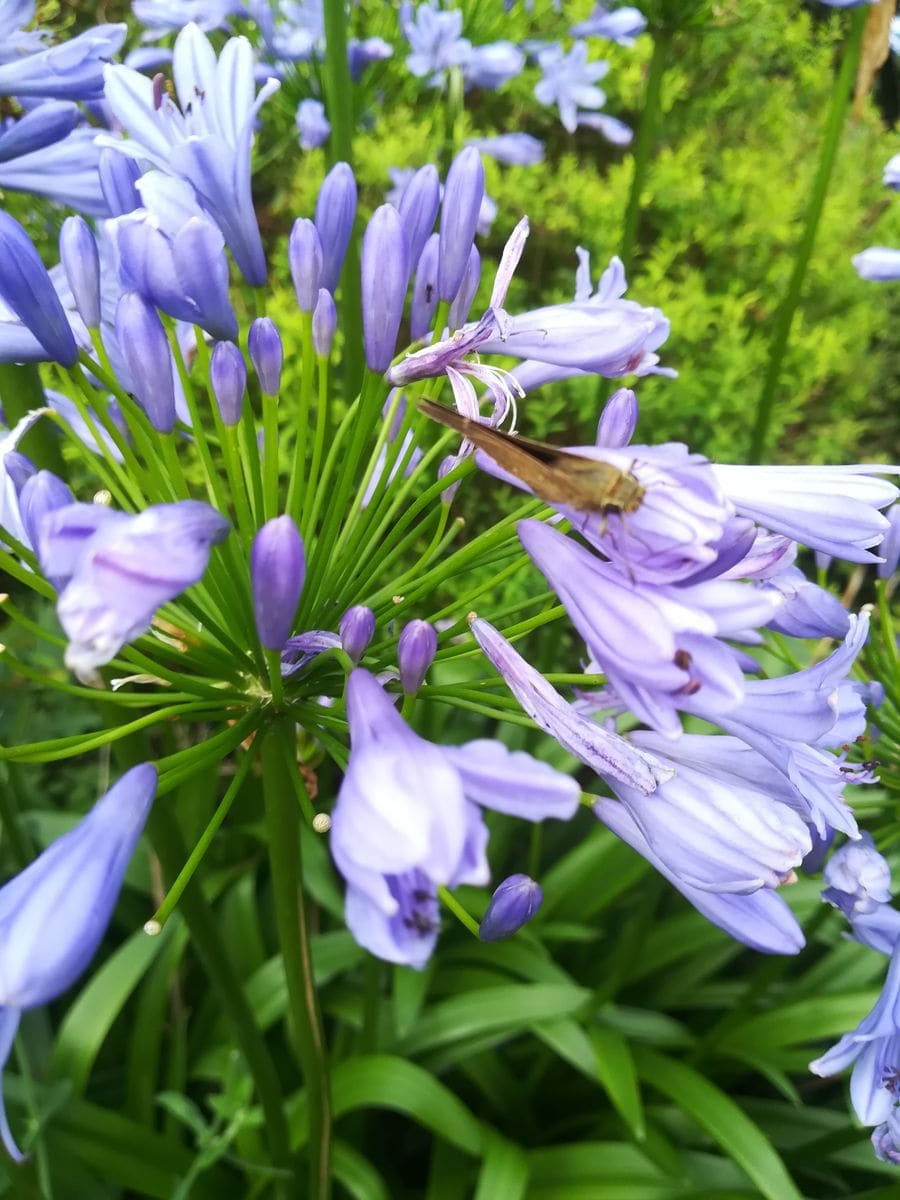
205,138
835,509
622,25
10,516
114,570
807,610
73,70
362,54
874,1050
54,914
569,81
313,127
491,65
878,264
161,17
886,1138
513,904
858,878
65,172
435,41
614,130
890,546
395,841
42,330
37,128
513,149
293,30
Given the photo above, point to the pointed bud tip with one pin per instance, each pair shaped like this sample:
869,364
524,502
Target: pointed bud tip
512,905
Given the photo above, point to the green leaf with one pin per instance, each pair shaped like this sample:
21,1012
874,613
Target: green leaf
825,1017
722,1119
100,1001
357,1175
504,1171
500,1010
382,1081
616,1070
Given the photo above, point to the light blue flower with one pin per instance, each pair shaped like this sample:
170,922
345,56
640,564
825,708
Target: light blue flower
54,914
66,172
313,126
622,25
207,139
435,40
72,70
569,81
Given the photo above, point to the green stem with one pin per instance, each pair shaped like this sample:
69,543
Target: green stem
21,391
841,96
644,142
283,823
213,953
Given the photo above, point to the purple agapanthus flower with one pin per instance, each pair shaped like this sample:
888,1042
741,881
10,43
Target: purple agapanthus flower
161,17
570,82
435,41
492,65
54,914
891,177
72,70
313,127
622,25
878,264
874,1050
362,54
512,149
858,878
65,172
114,570
292,30
396,842
10,514
205,138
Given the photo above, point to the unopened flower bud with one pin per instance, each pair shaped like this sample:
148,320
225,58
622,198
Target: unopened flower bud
418,208
305,260
81,263
512,905
415,654
145,347
277,570
26,288
385,273
356,629
462,302
266,354
618,420
19,468
118,176
425,292
463,194
889,549
228,378
324,323
335,213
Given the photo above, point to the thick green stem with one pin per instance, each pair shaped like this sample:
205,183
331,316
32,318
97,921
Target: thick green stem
644,142
213,953
283,822
841,97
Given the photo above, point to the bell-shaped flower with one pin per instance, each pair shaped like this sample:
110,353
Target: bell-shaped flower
761,919
72,70
657,644
807,610
512,905
407,819
54,914
873,1049
726,821
832,509
174,255
115,570
492,65
205,138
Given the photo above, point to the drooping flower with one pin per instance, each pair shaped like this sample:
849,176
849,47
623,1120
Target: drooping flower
395,842
874,1050
54,914
114,570
205,138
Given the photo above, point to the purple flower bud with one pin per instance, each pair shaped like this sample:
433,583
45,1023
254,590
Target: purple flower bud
19,468
512,905
618,420
385,273
228,378
335,213
305,259
324,323
415,653
118,176
43,126
313,127
459,219
26,287
459,309
277,570
54,914
144,344
419,206
42,493
266,354
425,291
356,628
81,262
